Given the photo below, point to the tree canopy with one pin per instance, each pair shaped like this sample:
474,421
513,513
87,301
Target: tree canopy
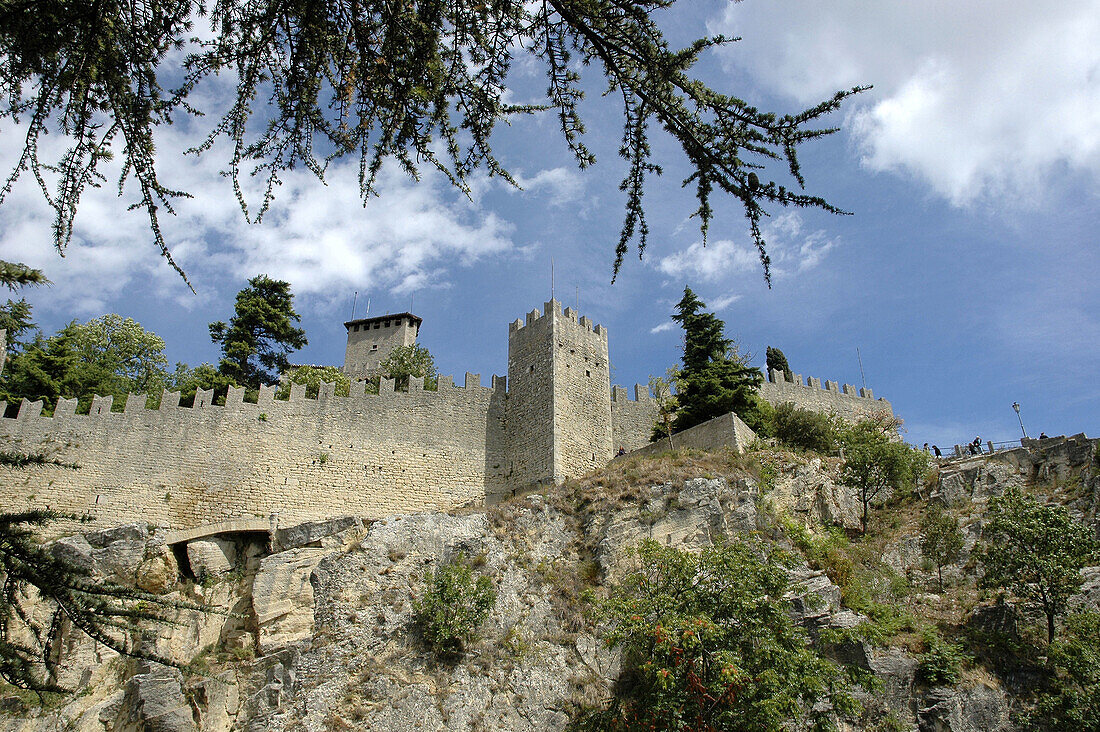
424,83
1037,552
107,355
256,341
713,379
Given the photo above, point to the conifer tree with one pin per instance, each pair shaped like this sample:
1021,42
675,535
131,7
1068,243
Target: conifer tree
712,380
256,341
778,362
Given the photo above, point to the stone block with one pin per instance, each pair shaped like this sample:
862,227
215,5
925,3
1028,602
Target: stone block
211,556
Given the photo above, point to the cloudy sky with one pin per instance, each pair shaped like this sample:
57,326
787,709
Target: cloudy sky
967,277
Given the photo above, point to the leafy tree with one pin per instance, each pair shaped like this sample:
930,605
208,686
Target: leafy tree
876,464
1037,552
409,361
107,355
258,337
312,376
1072,702
712,381
778,362
941,539
454,604
708,644
423,83
187,381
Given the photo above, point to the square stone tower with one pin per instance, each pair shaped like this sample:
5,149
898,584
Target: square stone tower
370,340
559,398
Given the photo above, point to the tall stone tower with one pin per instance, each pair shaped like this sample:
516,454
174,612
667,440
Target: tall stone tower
559,396
370,340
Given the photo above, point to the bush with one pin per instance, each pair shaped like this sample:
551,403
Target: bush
453,605
708,643
941,664
1072,702
802,429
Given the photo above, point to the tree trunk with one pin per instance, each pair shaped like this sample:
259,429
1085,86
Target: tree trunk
1050,627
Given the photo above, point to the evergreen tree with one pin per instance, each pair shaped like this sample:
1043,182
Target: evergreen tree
778,362
712,381
420,83
261,333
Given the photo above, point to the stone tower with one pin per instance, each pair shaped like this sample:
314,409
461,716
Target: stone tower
370,340
559,396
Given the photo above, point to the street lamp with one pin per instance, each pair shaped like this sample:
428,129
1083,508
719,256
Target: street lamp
1016,407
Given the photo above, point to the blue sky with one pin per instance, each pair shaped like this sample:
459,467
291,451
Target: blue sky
967,276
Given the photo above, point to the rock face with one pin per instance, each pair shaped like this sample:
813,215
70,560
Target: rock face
321,635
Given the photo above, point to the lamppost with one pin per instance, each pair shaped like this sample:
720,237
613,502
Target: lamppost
1016,407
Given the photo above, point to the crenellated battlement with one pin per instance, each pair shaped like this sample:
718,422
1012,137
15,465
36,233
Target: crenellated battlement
778,379
829,396
619,394
358,398
552,312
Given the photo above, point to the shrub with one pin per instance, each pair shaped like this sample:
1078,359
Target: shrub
941,664
1072,702
455,602
708,643
802,429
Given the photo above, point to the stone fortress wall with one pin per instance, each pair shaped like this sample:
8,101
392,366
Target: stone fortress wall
849,402
303,459
556,416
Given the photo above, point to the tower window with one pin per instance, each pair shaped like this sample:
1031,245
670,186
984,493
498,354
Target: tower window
587,373
532,370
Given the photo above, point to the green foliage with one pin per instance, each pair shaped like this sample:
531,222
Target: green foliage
803,429
776,361
15,318
1073,700
941,663
713,379
312,377
258,337
708,644
420,83
455,601
876,464
107,612
187,381
1037,552
408,361
15,275
108,355
941,539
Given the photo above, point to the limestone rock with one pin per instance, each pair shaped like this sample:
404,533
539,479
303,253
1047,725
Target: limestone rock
211,556
314,531
76,550
282,597
977,709
137,532
157,573
119,559
155,703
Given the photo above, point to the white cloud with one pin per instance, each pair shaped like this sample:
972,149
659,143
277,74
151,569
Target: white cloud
723,302
977,100
662,328
792,251
562,184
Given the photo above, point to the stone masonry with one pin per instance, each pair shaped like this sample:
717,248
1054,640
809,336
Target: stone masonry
555,417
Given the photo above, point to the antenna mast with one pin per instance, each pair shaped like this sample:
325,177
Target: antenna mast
551,278
353,299
861,376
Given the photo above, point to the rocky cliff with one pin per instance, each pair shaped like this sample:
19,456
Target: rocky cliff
316,628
